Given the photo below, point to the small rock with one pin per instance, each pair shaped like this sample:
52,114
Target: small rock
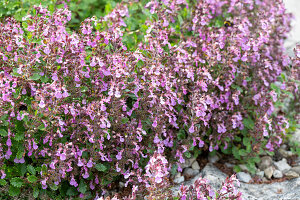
121,184
282,165
285,153
188,162
296,169
269,172
291,174
244,177
213,158
229,165
284,146
243,167
260,174
266,161
277,174
189,172
179,179
195,165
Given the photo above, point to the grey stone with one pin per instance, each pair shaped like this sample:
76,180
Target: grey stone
260,174
266,161
195,165
213,158
296,169
189,172
296,135
179,179
285,153
269,172
230,165
121,184
277,174
282,165
244,177
188,162
286,190
291,174
243,167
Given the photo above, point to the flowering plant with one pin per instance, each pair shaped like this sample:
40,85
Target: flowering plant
80,110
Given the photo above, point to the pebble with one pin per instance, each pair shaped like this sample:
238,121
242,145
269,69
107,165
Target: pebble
189,172
282,165
277,174
229,165
179,179
213,158
243,167
269,172
296,169
266,161
291,174
195,165
285,153
260,174
244,177
188,162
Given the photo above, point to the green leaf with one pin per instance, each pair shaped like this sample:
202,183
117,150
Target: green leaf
82,186
36,192
124,120
31,169
187,154
20,154
174,169
16,182
3,182
72,191
242,152
35,77
44,79
14,191
248,123
53,187
3,133
181,134
100,167
32,179
236,168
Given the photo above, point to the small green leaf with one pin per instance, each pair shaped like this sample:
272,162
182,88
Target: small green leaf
124,120
236,168
100,167
187,154
31,169
3,182
16,182
53,187
248,123
242,152
32,179
3,133
82,187
14,191
44,79
35,77
36,192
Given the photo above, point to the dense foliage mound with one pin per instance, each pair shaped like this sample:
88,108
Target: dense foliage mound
80,110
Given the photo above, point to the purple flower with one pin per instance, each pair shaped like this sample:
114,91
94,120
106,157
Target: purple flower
119,155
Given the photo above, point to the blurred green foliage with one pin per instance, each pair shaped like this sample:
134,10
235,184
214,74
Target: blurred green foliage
81,9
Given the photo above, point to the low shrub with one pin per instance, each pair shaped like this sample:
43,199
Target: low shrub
81,110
